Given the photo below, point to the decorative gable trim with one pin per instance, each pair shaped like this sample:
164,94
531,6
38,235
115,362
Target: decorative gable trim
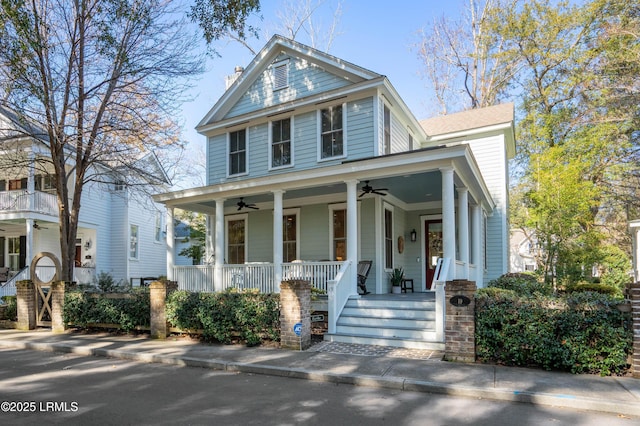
264,59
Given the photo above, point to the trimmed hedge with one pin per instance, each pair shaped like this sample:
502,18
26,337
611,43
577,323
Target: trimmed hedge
82,308
583,332
221,316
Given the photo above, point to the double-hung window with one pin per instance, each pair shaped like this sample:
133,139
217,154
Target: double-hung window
238,152
388,238
332,135
133,242
281,143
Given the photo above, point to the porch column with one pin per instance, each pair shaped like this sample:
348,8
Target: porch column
29,248
208,242
31,184
352,233
463,229
448,220
219,244
634,227
277,237
171,242
476,213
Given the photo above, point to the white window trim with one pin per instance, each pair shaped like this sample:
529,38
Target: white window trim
284,63
137,256
159,220
242,216
291,132
344,134
387,206
246,150
296,212
384,151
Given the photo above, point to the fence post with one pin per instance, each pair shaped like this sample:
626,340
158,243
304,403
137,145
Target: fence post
58,289
460,328
158,291
634,295
295,314
26,305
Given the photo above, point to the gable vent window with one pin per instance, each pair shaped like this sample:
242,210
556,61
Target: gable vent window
280,75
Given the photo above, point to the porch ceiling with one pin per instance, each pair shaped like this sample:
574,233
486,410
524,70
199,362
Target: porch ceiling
410,189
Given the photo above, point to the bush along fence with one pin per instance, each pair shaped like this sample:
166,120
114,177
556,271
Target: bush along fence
225,317
520,322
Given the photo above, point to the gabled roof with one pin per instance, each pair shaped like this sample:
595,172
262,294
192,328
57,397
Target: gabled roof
468,120
20,127
474,121
276,45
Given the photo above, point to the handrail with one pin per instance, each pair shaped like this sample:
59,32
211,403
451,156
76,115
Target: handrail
439,281
9,287
339,290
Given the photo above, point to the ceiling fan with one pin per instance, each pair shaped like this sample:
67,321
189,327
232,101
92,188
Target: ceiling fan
241,204
36,226
368,189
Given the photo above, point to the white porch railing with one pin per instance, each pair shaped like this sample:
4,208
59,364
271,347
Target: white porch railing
339,290
439,281
45,273
249,276
318,273
254,275
20,201
197,278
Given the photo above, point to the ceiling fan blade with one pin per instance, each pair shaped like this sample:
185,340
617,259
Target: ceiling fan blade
252,206
377,192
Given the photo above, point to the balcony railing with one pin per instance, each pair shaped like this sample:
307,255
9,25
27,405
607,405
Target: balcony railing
23,201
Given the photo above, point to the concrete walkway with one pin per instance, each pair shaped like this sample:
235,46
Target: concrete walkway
362,365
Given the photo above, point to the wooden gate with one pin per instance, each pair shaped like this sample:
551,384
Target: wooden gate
43,289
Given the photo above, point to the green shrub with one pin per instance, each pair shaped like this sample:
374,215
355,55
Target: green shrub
11,311
582,286
581,333
522,284
221,316
80,309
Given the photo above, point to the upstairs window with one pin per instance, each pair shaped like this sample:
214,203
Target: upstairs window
281,143
332,140
238,152
280,74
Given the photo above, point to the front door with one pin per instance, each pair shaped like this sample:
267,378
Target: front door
433,248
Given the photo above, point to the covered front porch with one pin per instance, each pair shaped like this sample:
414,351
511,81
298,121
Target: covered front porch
398,211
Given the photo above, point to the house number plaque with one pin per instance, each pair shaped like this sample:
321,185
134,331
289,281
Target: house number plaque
460,300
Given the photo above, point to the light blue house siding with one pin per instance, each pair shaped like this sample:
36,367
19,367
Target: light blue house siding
359,135
305,79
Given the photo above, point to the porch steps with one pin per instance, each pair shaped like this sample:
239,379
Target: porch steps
406,321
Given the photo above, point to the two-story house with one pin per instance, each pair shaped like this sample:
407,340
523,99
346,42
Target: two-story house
315,164
117,233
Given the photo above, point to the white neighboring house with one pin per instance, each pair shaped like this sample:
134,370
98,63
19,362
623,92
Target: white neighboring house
522,252
117,233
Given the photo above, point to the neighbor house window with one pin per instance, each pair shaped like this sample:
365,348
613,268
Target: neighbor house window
133,242
236,240
14,253
281,143
387,130
238,152
158,227
289,237
332,137
388,238
280,72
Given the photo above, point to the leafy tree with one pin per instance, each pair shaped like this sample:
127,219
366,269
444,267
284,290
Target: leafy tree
197,223
98,81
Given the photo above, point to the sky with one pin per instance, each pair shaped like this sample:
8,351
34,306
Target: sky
378,36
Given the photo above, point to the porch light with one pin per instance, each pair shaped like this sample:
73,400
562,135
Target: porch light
414,236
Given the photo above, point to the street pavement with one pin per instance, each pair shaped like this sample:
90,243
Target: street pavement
362,365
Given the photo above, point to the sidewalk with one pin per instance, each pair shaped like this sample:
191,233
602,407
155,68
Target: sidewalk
362,365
